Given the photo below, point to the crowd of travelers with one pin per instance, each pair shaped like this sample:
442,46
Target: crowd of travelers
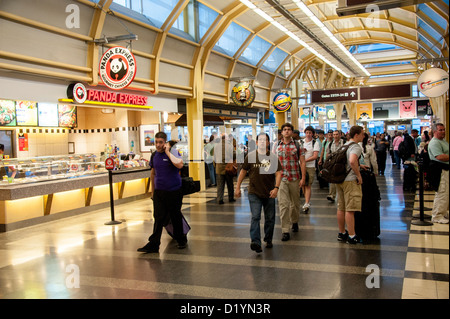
280,172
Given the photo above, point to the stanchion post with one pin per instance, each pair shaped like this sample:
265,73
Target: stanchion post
109,164
421,221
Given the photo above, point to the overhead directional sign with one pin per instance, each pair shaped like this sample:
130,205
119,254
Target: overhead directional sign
334,95
363,93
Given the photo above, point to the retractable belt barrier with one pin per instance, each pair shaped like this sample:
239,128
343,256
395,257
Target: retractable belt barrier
111,191
421,216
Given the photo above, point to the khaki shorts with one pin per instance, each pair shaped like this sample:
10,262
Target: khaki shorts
312,174
349,196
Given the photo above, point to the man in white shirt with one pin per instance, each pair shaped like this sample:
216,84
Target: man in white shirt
311,149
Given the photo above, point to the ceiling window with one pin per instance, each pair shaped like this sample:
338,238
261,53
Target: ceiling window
255,51
232,39
274,60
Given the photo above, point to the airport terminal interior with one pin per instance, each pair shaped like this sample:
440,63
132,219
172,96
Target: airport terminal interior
86,85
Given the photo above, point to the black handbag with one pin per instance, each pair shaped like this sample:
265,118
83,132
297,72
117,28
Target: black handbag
189,186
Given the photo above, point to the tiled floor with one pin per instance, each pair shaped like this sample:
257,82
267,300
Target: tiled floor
80,257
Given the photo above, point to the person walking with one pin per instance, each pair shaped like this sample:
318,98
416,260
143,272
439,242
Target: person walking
167,195
209,159
381,147
224,153
311,149
350,191
264,170
438,150
395,144
292,162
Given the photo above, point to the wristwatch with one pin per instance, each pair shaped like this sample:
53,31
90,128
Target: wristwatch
277,187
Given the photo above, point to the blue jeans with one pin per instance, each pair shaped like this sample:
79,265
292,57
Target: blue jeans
212,173
256,204
398,160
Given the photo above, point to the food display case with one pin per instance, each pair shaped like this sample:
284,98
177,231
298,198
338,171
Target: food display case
38,189
47,168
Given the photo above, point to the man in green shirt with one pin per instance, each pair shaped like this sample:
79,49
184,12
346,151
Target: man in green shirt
438,152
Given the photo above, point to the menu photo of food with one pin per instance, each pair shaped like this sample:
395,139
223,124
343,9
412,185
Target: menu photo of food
67,114
7,113
26,113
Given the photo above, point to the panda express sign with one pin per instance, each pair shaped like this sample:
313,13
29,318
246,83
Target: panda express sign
78,93
117,68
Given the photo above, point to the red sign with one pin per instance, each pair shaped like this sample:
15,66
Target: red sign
109,163
117,68
104,96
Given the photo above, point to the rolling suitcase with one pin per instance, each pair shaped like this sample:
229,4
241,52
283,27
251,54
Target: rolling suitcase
367,221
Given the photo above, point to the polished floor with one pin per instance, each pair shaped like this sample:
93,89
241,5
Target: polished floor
80,257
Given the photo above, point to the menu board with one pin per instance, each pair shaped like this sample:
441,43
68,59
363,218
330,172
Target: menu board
26,113
67,115
48,114
7,113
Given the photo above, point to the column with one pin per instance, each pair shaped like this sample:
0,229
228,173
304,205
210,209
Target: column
194,116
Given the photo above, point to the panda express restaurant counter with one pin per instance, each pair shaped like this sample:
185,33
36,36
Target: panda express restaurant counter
23,205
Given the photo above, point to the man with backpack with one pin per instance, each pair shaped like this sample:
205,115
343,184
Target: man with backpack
342,167
332,147
292,161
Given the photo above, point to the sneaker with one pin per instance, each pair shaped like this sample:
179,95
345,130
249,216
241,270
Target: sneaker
286,237
441,220
342,237
330,198
306,207
353,240
148,249
256,247
269,244
295,227
182,245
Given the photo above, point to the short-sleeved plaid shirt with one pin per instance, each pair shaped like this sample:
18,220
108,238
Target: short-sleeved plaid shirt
289,157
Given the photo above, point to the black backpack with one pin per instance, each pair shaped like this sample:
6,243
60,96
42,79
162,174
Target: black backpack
334,169
402,151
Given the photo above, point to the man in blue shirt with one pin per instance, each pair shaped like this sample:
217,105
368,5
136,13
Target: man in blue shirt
167,195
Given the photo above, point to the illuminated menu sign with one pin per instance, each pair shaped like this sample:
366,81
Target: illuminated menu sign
48,114
26,113
7,113
67,115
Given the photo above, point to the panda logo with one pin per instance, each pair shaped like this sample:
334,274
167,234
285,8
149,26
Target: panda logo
118,69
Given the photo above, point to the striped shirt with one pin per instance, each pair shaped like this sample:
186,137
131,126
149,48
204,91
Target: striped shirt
289,159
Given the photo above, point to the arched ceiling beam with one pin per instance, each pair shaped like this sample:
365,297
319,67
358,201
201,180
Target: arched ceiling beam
161,38
98,21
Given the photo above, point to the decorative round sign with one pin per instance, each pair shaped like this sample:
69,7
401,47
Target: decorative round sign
77,92
117,68
433,82
282,102
109,163
243,94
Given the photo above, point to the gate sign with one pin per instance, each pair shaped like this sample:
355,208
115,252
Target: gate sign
433,82
243,94
117,68
109,163
282,102
334,95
